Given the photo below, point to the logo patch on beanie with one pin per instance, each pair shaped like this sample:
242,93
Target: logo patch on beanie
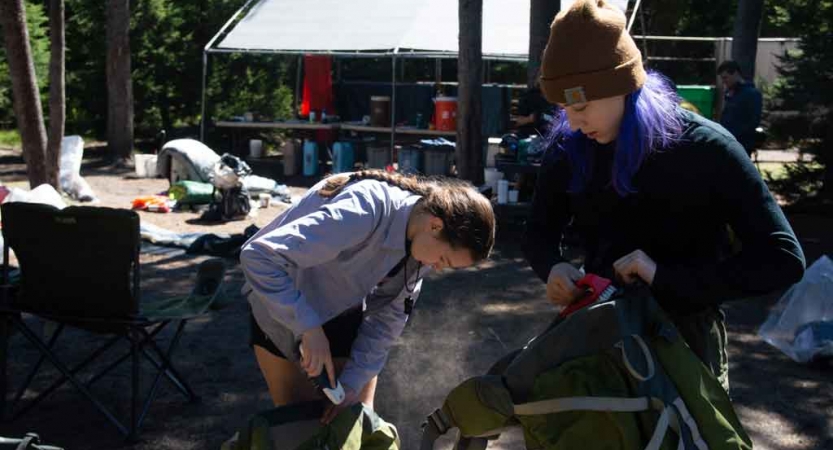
574,95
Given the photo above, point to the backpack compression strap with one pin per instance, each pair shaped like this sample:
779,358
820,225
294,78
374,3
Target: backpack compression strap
438,424
669,416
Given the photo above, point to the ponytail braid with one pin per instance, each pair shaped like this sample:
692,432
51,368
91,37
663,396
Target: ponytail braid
468,218
410,183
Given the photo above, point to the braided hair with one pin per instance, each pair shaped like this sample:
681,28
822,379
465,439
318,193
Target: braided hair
468,218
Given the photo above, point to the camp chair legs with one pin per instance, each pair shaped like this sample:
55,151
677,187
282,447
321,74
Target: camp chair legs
165,366
142,345
55,385
67,373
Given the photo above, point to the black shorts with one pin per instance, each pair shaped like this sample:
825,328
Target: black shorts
340,331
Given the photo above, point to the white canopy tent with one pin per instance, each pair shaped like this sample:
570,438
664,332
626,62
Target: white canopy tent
371,28
386,27
368,28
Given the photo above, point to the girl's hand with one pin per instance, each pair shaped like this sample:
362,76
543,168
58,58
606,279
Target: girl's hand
635,265
315,354
561,284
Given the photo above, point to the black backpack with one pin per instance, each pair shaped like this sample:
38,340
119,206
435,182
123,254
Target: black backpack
230,203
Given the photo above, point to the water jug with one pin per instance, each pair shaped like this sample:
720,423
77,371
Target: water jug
310,158
343,157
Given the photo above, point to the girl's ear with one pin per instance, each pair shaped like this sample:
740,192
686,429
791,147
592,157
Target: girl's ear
436,223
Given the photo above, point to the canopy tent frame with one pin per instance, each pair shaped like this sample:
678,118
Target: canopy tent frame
397,53
391,55
394,53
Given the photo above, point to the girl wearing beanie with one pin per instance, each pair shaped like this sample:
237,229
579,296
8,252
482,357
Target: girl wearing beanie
655,193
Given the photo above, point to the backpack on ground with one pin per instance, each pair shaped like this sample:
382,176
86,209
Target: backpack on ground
297,427
614,375
230,198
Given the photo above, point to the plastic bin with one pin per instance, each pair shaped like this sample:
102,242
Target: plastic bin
438,160
410,160
700,96
145,165
378,157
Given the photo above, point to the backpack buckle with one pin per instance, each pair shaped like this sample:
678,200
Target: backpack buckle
439,421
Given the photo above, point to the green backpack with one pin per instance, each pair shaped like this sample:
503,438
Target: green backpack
614,375
297,427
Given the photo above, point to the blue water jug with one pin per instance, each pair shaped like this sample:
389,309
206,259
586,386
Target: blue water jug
310,158
343,157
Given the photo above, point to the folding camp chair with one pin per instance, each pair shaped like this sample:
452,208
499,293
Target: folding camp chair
79,267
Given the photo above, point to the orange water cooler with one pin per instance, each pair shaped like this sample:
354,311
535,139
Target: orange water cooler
445,113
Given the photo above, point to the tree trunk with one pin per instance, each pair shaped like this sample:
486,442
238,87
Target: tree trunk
469,152
57,95
119,86
826,158
745,36
25,94
541,15
165,111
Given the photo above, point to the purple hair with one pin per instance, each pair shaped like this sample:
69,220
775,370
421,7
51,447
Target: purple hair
651,122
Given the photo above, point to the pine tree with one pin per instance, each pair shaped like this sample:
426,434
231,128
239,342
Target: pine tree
805,87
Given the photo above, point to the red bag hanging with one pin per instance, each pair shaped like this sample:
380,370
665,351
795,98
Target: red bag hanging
318,85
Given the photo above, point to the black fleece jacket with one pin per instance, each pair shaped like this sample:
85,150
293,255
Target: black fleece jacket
685,197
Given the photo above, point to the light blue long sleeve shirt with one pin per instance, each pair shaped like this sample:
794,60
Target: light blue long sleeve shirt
324,256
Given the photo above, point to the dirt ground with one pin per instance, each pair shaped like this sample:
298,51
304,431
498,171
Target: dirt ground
463,322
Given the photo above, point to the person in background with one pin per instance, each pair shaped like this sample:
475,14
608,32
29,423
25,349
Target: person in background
650,189
534,114
742,105
338,274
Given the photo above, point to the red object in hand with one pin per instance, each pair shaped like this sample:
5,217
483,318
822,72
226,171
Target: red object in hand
594,287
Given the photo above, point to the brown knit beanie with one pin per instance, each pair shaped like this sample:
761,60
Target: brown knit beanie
589,55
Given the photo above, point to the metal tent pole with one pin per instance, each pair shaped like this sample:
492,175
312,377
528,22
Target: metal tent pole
633,16
202,113
438,71
205,52
644,32
393,106
295,108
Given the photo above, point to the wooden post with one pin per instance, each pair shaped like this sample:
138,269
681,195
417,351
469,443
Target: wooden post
469,151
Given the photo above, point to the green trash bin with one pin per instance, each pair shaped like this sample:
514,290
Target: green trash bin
701,97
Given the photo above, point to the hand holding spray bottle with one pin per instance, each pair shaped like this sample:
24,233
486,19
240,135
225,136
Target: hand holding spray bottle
322,383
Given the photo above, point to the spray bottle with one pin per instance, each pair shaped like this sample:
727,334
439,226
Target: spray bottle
322,383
